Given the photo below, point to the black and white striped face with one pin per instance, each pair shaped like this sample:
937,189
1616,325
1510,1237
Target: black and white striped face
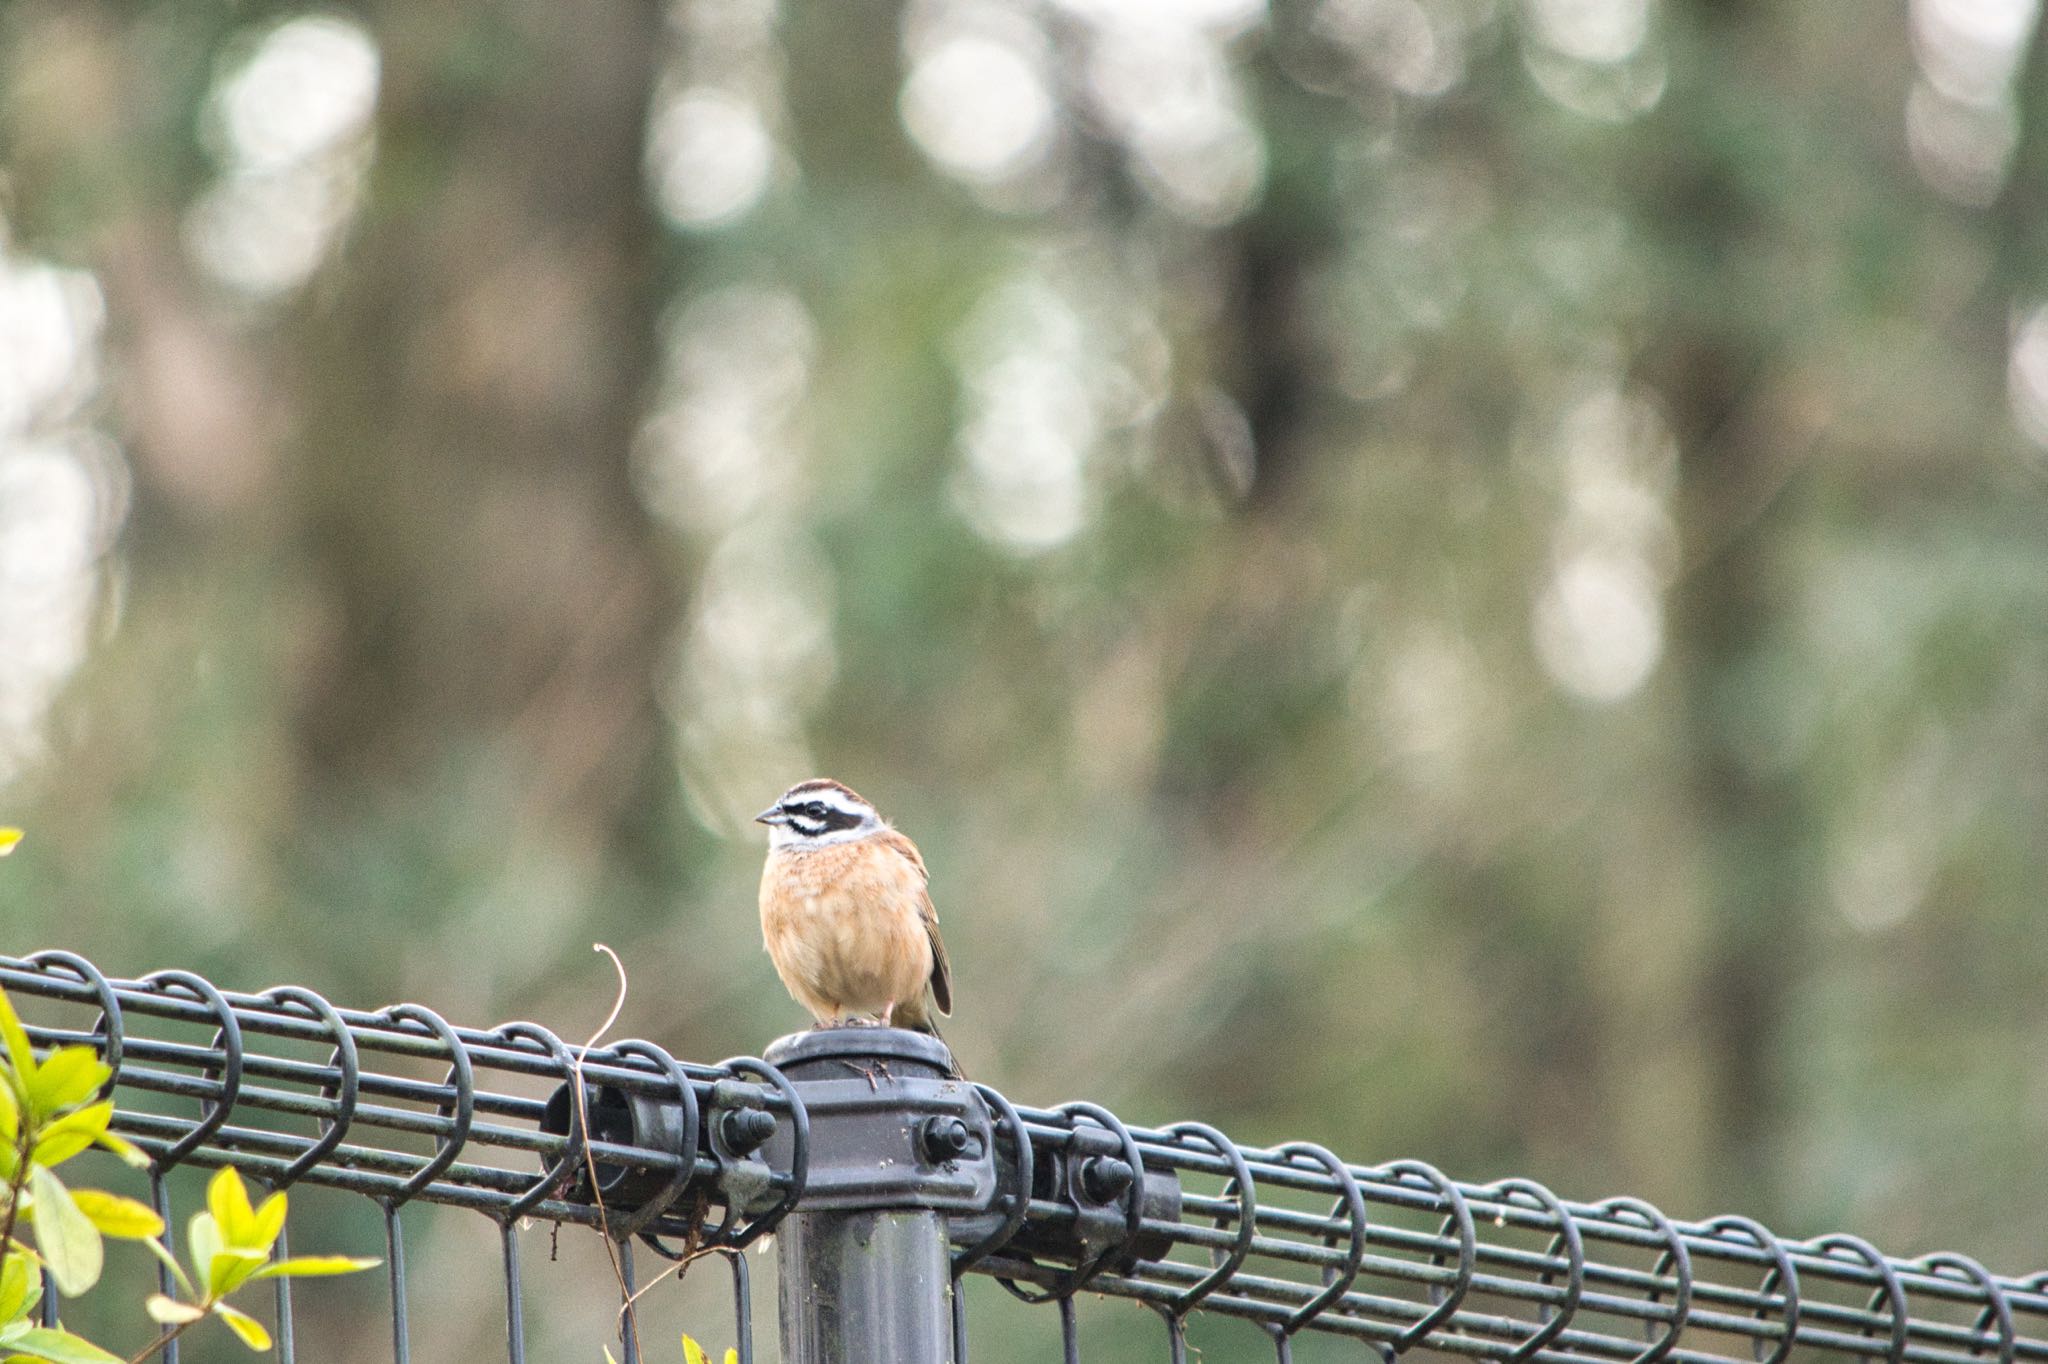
814,813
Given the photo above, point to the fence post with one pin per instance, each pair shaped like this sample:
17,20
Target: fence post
897,1143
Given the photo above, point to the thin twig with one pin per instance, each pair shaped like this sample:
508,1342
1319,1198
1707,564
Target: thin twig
611,1249
693,1251
157,1345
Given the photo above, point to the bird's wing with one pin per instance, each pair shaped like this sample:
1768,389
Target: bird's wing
942,970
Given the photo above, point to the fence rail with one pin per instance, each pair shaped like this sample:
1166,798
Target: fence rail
706,1159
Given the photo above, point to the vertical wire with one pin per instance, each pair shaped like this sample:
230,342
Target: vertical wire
284,1299
742,1305
1070,1337
959,1293
515,1327
629,1330
160,1198
1176,1340
49,1302
394,1257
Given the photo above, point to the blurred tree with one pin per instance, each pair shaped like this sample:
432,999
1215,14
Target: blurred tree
1444,576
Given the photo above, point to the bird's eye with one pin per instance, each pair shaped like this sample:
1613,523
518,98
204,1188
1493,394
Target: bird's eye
816,809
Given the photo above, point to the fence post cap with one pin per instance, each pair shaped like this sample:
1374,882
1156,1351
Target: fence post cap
802,1054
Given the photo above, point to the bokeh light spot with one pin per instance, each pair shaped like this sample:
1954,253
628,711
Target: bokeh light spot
709,155
978,105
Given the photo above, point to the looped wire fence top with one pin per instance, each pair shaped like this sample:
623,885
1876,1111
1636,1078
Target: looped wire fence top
1290,1239
360,1119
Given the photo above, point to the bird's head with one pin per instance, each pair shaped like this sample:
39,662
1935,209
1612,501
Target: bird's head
816,812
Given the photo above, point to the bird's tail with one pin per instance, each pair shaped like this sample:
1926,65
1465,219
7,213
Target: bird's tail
925,1025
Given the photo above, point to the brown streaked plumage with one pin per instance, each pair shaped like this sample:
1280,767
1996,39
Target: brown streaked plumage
846,914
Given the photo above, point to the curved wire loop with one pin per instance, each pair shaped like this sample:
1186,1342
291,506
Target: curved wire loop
1283,1344
1552,1318
799,1159
345,1093
460,1074
1447,1300
1890,1291
1073,1281
1230,1261
111,1026
228,1039
1997,1309
1784,1276
625,1228
1676,1259
1337,1280
563,1172
1019,1194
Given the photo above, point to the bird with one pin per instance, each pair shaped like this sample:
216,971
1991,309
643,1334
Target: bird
846,914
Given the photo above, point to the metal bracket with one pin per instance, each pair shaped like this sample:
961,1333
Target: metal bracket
891,1125
732,1132
1092,1178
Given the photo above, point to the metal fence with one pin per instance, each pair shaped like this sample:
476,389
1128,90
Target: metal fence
885,1180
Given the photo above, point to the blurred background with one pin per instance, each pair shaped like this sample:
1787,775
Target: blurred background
1456,578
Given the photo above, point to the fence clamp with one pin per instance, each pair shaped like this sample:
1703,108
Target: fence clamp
891,1127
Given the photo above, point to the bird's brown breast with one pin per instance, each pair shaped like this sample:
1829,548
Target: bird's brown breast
844,925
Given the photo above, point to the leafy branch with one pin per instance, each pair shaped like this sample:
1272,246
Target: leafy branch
49,1112
230,1245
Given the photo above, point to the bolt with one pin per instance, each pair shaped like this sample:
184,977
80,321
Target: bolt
1104,1179
945,1138
744,1129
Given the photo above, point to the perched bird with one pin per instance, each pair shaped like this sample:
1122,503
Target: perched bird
845,914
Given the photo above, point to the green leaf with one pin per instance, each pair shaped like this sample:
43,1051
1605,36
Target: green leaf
314,1267
18,1050
227,1198
269,1222
59,1141
66,1078
10,1115
608,1359
54,1151
10,838
170,1311
131,1155
69,1242
693,1353
20,1289
163,1252
122,1218
242,1324
231,1269
60,1347
202,1244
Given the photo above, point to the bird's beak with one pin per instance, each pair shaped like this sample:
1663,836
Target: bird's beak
772,815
